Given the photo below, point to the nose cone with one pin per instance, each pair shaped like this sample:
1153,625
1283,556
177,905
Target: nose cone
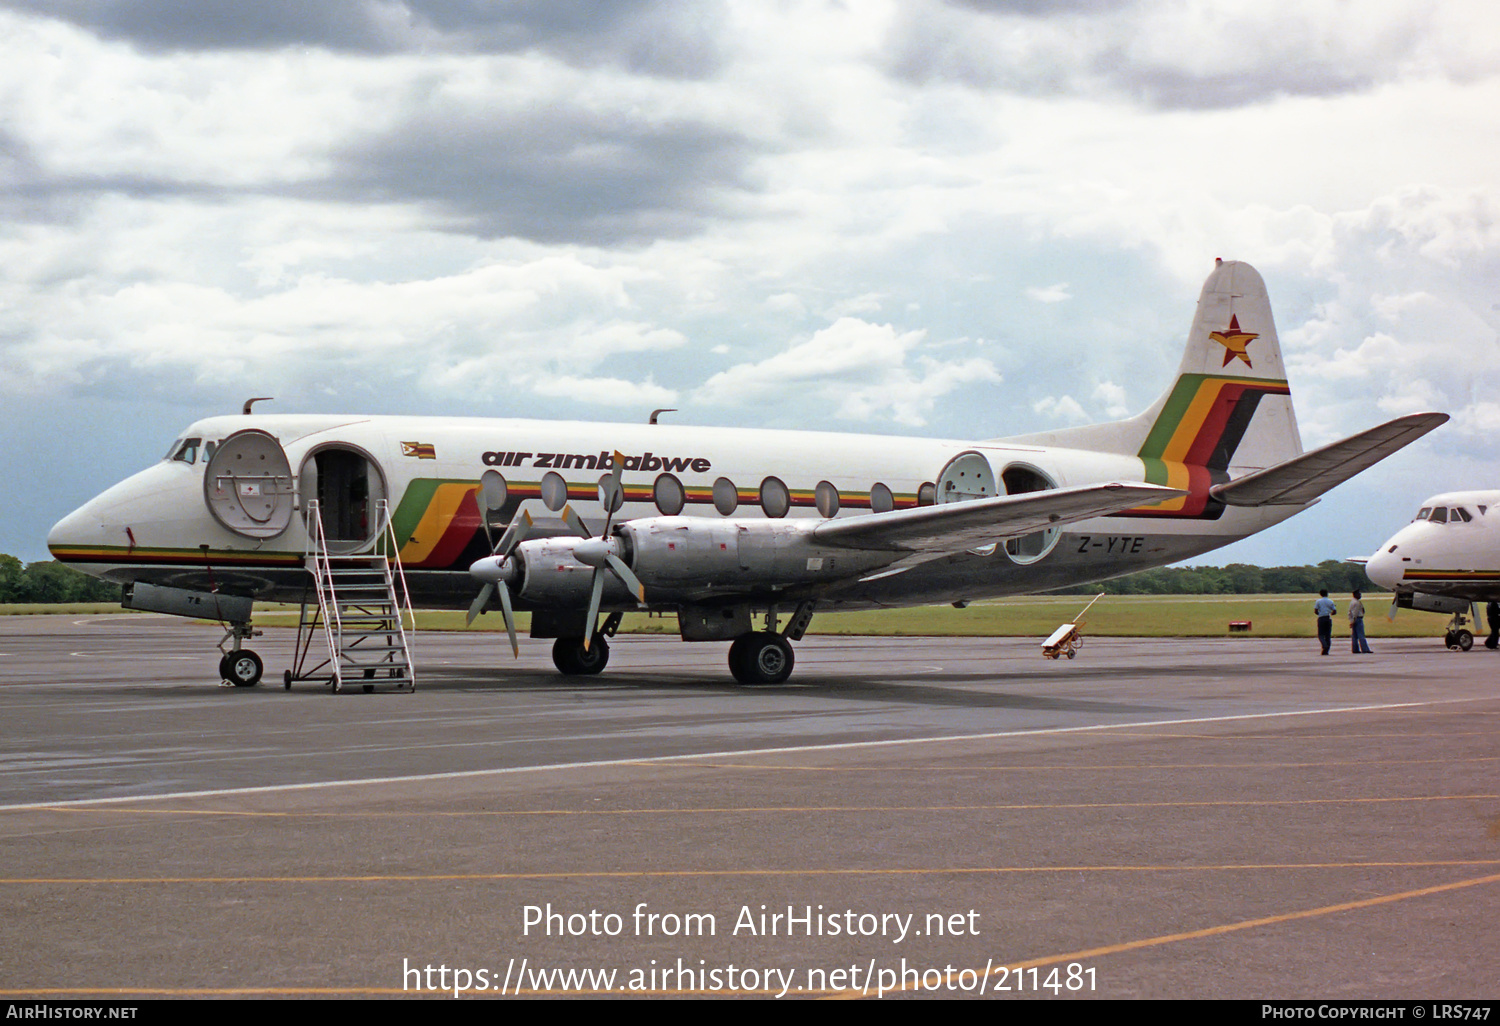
1386,568
77,531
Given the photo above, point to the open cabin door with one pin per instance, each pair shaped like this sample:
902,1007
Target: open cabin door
348,483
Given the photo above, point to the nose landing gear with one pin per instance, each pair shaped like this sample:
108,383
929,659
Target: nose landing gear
240,666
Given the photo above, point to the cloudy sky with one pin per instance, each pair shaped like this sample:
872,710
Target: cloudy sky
957,218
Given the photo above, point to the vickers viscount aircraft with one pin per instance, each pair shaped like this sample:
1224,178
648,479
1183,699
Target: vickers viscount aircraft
719,526
1447,558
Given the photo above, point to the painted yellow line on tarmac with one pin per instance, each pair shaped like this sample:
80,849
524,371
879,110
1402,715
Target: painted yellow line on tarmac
1219,931
673,874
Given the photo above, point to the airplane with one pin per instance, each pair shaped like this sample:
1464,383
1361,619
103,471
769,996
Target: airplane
719,526
1447,558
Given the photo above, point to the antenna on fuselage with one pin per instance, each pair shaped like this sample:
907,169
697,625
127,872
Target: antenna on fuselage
655,413
251,402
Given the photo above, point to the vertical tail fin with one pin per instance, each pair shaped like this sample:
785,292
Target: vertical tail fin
1229,407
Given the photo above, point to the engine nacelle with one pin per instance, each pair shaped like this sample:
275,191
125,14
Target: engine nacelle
551,576
698,552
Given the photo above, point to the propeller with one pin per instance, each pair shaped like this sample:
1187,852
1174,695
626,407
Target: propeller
497,570
603,552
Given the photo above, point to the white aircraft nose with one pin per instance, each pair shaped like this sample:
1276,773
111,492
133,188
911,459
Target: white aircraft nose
79,528
1385,568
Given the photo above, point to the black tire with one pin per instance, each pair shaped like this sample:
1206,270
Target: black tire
243,668
286,680
1465,641
570,658
762,658
737,657
224,667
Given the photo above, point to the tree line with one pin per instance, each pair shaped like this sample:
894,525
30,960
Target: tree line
1237,579
51,581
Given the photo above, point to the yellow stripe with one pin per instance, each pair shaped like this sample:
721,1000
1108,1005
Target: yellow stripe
435,520
1191,423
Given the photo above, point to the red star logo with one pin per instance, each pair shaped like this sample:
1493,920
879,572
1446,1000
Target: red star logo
1234,341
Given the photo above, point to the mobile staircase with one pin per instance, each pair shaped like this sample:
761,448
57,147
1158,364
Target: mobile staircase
360,605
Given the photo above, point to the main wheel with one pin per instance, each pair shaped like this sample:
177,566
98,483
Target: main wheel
242,668
761,658
569,657
1465,641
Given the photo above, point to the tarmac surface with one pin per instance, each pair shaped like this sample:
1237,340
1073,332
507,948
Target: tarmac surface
1231,818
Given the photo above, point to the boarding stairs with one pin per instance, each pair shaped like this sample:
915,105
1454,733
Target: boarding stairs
360,606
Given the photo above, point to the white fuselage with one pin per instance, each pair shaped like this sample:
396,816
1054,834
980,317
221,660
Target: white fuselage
157,527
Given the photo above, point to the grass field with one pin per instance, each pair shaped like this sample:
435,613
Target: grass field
1124,616
1121,616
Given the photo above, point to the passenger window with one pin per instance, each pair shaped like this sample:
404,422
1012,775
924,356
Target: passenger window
881,499
726,496
826,497
775,500
669,495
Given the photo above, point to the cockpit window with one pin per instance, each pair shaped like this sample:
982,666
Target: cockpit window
1422,514
1463,514
188,451
171,449
1439,515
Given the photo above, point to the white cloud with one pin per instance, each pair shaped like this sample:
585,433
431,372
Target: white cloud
1061,408
857,369
1057,293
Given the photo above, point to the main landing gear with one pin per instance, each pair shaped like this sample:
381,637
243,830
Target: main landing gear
765,657
761,657
570,657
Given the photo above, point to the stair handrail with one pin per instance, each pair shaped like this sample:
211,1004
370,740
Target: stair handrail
322,571
393,568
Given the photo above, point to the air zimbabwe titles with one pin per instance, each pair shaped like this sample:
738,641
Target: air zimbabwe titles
588,461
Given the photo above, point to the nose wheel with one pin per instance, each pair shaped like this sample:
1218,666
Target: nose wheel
243,668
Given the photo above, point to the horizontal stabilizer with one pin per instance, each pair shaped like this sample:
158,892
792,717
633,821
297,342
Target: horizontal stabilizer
1302,479
956,526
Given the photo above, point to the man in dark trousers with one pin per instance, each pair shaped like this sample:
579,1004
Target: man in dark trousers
1357,625
1324,609
1492,614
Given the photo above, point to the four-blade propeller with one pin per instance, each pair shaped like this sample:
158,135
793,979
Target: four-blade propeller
497,570
603,552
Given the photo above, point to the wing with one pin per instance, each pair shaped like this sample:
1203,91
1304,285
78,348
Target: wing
1302,479
956,526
